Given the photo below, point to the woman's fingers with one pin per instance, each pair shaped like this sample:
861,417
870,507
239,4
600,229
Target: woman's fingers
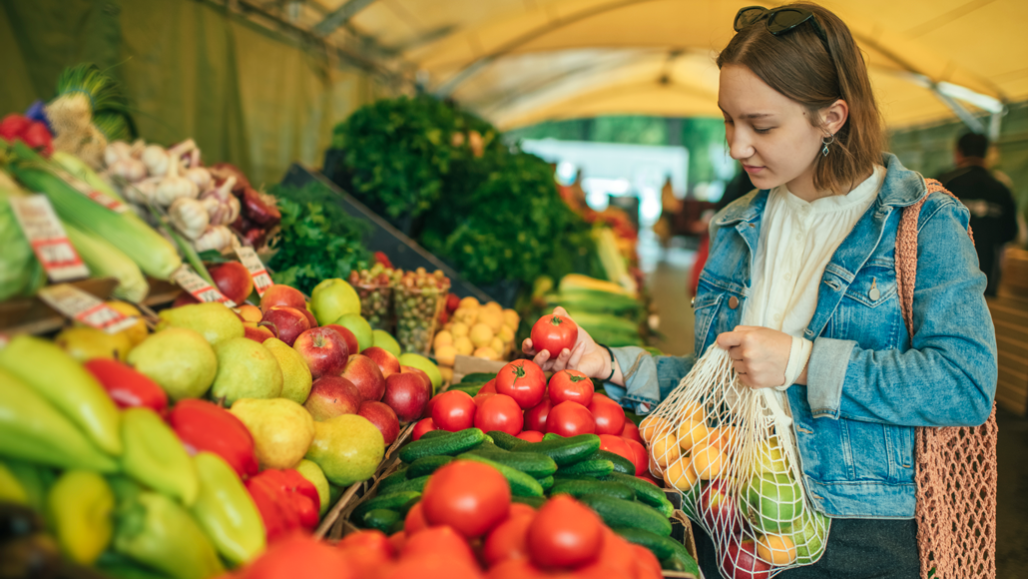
541,358
527,348
575,355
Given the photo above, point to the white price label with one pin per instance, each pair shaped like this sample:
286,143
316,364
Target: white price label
83,307
97,196
259,273
188,280
48,239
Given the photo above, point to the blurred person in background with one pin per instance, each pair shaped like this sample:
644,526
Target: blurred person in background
992,207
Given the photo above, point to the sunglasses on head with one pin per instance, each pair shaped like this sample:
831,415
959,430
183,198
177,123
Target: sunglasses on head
780,20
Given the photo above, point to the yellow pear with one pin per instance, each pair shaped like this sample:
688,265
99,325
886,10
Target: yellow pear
282,430
296,374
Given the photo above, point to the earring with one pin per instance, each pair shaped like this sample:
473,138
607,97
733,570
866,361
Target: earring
825,142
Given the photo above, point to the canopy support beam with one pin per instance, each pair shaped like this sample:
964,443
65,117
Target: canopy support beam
340,16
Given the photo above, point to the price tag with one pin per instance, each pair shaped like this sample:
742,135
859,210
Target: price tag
48,239
199,287
83,307
259,273
97,196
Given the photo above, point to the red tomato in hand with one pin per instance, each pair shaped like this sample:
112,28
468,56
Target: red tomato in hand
554,334
639,456
469,496
499,412
571,385
610,417
507,540
535,417
631,432
564,533
424,425
453,411
531,436
523,381
570,419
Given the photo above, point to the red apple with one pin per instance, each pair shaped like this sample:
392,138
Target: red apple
257,333
387,362
289,322
719,509
310,317
324,350
365,375
452,303
233,280
333,396
348,337
419,372
282,295
740,561
407,394
383,417
184,299
250,313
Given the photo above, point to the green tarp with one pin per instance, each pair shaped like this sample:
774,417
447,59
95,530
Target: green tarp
248,96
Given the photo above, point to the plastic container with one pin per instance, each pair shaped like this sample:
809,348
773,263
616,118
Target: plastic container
377,305
417,316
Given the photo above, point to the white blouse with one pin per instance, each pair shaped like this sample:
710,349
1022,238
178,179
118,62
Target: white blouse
797,240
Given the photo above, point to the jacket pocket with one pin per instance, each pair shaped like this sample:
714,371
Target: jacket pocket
870,312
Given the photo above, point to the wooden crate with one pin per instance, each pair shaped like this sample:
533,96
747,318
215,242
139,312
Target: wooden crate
1010,316
464,365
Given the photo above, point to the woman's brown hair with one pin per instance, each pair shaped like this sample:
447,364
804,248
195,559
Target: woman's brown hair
798,65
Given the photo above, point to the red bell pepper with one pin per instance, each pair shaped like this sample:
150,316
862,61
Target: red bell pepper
206,426
286,500
302,494
38,137
128,388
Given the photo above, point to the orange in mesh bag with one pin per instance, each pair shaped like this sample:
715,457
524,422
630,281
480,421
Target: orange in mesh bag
729,449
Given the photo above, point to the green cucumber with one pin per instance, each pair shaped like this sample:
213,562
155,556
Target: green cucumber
435,434
392,480
622,513
594,467
662,547
681,563
427,465
399,502
621,464
531,463
416,484
521,484
452,445
504,440
552,436
396,527
645,492
477,377
381,519
471,389
547,483
577,488
534,502
564,451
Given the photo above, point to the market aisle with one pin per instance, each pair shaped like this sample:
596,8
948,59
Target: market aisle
668,284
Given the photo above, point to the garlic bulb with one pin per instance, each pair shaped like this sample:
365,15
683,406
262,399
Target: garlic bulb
219,203
156,160
216,237
189,217
117,151
137,148
200,176
173,186
129,169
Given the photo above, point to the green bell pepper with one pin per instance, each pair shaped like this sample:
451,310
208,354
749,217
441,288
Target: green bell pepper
225,510
155,456
154,530
80,506
33,430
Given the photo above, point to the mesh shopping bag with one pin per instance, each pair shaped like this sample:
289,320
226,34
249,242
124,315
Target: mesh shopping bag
730,450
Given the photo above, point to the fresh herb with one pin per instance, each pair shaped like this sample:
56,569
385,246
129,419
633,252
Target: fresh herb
317,240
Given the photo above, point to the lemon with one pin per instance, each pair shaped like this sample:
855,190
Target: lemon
480,335
464,346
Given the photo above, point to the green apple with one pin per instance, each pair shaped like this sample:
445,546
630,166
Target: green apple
348,448
773,502
312,472
425,365
382,339
361,330
332,299
810,538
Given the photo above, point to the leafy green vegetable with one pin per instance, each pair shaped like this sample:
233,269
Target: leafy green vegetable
318,240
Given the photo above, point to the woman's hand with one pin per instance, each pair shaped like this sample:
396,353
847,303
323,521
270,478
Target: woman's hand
587,357
761,355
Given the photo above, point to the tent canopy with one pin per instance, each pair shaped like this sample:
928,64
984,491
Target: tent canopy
517,62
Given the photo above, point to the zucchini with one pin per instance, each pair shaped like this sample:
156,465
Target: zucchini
400,502
621,464
504,440
392,480
454,444
622,513
547,483
645,492
427,465
381,519
564,451
534,502
577,488
596,467
521,484
434,434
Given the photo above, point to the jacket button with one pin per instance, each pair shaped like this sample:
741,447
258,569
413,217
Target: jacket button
733,302
692,302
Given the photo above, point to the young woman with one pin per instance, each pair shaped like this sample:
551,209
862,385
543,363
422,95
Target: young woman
800,288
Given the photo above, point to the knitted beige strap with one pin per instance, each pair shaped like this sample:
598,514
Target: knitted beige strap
956,467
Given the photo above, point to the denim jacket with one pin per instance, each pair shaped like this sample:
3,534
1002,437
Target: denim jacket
868,384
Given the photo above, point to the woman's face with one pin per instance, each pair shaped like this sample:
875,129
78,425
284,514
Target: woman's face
769,133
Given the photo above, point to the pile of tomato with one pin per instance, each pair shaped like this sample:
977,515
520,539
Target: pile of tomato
466,527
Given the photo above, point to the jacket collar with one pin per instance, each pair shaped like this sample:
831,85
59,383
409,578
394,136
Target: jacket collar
902,187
